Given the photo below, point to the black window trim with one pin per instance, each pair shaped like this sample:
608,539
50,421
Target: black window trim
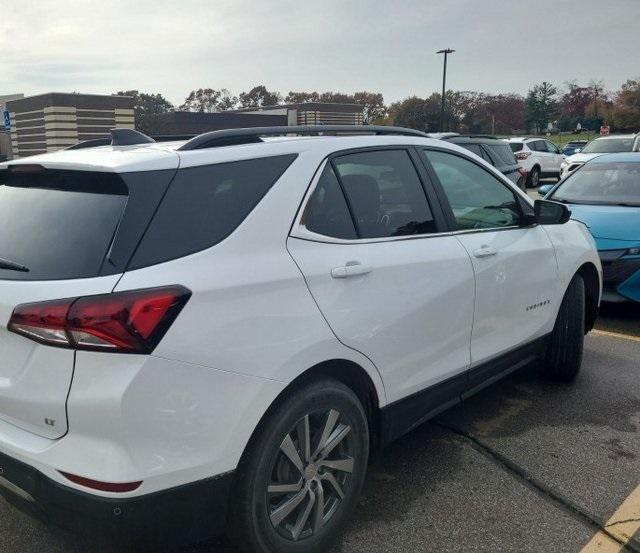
299,230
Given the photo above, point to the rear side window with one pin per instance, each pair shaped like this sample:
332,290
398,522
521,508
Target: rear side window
58,224
502,152
384,194
516,146
475,148
327,212
204,205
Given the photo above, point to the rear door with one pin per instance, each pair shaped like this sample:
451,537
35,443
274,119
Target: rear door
555,155
56,227
387,283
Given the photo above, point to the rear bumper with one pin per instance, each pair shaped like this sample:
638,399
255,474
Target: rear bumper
187,513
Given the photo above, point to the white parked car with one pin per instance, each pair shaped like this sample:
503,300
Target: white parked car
540,158
614,143
213,334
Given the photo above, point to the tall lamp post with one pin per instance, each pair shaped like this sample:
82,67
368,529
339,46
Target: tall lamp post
446,52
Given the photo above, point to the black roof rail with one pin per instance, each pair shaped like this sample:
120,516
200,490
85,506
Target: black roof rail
489,136
119,137
172,137
90,144
230,137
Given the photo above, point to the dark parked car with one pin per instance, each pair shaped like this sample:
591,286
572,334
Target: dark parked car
574,147
497,152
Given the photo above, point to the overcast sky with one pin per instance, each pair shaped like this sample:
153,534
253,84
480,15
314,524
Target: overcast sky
174,46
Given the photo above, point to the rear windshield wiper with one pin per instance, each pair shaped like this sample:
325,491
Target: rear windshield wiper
12,266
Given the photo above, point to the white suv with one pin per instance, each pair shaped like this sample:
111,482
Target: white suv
213,334
538,157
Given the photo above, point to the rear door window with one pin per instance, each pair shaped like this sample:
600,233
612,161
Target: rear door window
204,205
516,146
384,194
58,224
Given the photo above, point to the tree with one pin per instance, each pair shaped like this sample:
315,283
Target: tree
373,108
209,100
416,113
301,97
626,106
145,104
259,96
541,106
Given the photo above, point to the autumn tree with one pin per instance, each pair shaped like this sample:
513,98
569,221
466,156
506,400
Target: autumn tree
259,96
626,106
209,100
144,105
416,113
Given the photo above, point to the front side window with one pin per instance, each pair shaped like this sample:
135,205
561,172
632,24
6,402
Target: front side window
478,199
384,194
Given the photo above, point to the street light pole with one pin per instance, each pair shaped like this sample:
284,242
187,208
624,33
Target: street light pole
446,52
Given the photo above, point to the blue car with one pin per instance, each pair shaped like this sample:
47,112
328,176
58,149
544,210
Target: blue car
574,147
605,195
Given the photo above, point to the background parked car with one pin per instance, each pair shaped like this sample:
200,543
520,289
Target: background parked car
603,145
540,158
574,147
605,195
495,152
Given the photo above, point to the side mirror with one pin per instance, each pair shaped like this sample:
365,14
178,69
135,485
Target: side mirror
545,189
551,213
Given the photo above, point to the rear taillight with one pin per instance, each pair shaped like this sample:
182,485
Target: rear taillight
124,322
523,171
522,155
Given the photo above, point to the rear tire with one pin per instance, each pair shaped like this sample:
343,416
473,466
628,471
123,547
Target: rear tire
533,178
279,469
564,354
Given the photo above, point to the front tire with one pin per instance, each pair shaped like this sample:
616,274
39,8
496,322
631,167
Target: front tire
564,354
301,476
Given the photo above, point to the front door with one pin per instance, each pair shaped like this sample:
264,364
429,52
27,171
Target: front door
515,266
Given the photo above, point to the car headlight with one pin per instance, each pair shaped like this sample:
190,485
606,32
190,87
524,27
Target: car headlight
631,251
564,165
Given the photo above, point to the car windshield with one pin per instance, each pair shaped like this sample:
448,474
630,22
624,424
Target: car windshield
609,145
615,183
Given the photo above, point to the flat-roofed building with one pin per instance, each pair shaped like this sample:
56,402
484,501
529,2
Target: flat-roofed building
53,121
313,113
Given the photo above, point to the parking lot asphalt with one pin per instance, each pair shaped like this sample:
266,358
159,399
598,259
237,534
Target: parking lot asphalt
524,466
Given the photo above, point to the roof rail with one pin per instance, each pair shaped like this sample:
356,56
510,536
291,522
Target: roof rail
119,137
90,144
490,136
231,137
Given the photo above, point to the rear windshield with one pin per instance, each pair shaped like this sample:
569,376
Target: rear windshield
503,153
515,146
57,224
205,204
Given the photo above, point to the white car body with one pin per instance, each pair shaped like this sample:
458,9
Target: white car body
571,163
538,155
265,309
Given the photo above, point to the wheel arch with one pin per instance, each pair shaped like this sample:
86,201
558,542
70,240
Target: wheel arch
346,371
589,274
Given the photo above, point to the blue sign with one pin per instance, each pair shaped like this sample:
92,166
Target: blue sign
6,118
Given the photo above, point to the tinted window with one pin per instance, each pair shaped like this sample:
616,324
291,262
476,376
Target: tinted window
59,224
384,194
516,146
477,198
203,205
502,152
551,148
327,212
475,148
537,146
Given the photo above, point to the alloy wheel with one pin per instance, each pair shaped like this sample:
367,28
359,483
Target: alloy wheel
310,475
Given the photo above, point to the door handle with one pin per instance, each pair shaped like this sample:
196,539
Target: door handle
485,251
352,268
